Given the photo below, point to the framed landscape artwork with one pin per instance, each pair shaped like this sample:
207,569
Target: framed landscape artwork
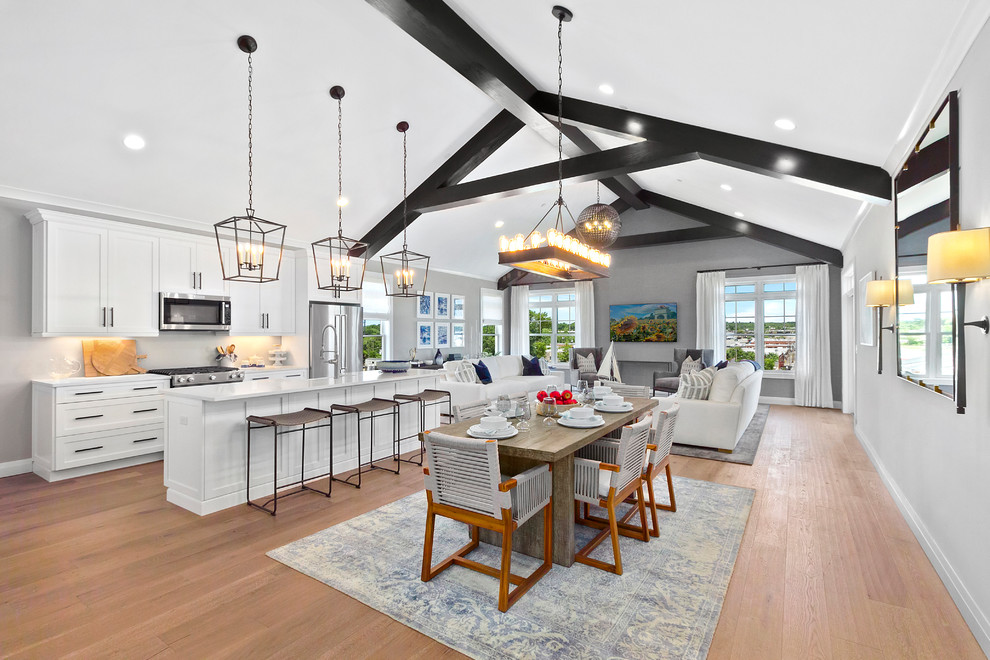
644,322
424,306
442,335
424,334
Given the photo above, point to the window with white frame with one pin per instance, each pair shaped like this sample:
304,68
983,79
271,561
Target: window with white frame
924,329
761,321
491,322
377,316
552,324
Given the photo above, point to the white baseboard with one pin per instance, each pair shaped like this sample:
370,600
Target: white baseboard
785,401
10,468
976,618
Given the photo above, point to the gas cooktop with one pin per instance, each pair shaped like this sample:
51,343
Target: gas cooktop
186,376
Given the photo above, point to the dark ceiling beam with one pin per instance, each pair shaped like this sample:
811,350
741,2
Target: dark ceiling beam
483,144
688,235
445,34
837,175
745,228
516,277
620,160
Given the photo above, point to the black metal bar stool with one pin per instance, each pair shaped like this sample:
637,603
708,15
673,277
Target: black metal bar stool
426,398
372,410
277,422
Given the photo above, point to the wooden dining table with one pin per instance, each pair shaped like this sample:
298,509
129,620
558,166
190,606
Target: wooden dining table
554,444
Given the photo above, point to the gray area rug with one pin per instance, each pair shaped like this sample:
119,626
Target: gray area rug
665,604
745,451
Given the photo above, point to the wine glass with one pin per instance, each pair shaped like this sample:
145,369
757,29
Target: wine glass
503,404
582,391
549,410
525,414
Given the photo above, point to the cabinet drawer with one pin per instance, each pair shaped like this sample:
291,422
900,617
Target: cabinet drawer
86,417
97,392
87,448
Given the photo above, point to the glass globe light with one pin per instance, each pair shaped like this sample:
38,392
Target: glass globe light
599,225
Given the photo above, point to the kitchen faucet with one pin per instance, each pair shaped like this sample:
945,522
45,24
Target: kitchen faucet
335,360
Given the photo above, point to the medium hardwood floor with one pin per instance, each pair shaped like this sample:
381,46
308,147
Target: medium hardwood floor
103,566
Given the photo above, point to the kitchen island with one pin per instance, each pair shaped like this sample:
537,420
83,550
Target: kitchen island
206,433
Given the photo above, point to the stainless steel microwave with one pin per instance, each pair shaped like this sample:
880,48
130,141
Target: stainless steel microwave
188,311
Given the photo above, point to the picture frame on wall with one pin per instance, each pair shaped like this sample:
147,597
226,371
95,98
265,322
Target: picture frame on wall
867,315
424,334
441,333
425,305
457,335
457,307
442,306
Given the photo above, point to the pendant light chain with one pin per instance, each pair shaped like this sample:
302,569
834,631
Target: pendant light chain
560,110
405,217
340,167
250,208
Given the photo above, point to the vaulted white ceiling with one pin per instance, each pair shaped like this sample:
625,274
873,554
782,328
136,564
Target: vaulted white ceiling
77,77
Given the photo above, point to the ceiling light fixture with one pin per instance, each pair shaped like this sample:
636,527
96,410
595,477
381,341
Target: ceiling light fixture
334,257
134,142
599,224
726,187
739,214
562,257
785,124
785,164
250,236
405,262
605,88
499,224
635,127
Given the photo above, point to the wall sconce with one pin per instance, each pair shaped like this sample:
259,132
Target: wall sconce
959,258
880,294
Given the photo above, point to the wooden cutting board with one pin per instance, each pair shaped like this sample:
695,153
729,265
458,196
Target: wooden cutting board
113,357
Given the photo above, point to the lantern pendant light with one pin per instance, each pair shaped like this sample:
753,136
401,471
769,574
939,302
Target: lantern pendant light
250,247
338,260
401,270
556,255
599,224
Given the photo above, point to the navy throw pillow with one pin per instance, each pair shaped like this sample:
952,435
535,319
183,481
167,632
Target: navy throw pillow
721,365
531,367
484,375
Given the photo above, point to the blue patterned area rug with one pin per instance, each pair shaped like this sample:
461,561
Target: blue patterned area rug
665,604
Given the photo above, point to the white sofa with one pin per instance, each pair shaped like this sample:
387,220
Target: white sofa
507,378
719,421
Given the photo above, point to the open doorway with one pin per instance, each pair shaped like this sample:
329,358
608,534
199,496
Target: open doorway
849,343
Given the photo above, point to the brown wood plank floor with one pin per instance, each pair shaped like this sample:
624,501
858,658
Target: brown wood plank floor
103,566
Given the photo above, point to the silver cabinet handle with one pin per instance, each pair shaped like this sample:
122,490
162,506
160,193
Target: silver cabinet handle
194,279
111,317
104,321
262,320
79,451
144,440
200,280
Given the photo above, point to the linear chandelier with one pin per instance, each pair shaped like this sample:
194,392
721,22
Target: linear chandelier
557,255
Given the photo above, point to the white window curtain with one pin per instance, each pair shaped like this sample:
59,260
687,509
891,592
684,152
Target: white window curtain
813,367
585,317
519,306
711,312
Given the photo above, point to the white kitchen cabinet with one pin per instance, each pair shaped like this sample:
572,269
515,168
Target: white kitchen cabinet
268,308
91,279
275,374
190,265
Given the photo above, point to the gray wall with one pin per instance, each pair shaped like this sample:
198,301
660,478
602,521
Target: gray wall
668,274
934,461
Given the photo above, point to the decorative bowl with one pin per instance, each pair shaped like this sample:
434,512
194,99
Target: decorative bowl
393,366
541,408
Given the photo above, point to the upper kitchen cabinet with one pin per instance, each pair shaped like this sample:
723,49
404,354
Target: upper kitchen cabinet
268,308
90,278
190,265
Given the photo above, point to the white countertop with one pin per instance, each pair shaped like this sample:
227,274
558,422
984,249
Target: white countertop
98,380
261,388
284,367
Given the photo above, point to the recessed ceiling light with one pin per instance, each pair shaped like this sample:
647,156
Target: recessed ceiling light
499,224
605,88
635,127
342,201
785,164
726,187
134,141
739,214
785,124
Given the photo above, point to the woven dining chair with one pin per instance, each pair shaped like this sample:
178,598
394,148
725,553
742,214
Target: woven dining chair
606,472
463,483
470,410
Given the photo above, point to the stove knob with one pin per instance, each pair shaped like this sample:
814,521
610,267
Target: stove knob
213,377
180,379
190,379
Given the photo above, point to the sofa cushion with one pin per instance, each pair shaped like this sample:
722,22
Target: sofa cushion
667,383
464,372
725,381
585,363
690,365
484,375
531,367
501,366
696,384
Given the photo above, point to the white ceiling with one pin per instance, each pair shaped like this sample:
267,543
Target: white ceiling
77,77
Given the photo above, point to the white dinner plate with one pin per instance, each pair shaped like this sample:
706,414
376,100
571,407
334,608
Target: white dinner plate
477,432
625,407
591,423
495,412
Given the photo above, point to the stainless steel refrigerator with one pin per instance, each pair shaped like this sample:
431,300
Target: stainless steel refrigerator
335,339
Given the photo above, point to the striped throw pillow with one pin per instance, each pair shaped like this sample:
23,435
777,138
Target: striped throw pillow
696,384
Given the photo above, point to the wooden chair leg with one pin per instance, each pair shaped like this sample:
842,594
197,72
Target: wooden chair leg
613,523
641,505
428,543
655,531
670,491
503,580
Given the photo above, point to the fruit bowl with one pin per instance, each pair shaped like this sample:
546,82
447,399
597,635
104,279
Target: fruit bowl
541,408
